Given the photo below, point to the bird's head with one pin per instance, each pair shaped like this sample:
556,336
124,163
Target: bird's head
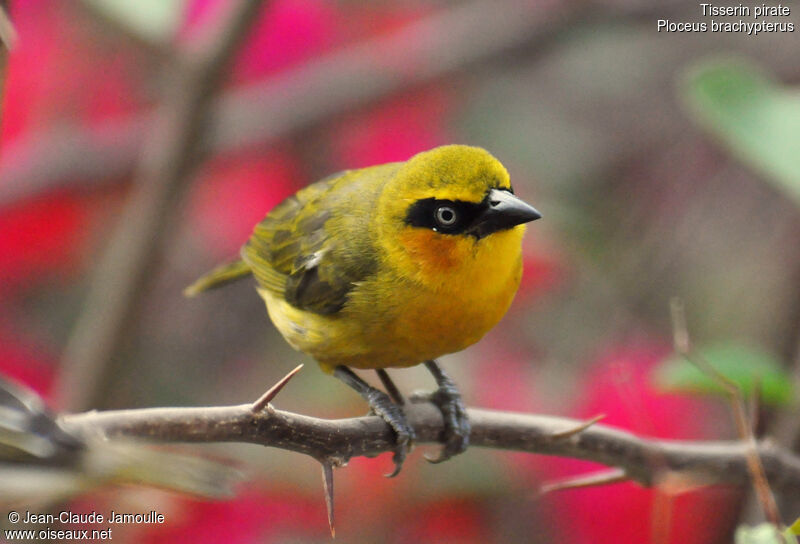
452,210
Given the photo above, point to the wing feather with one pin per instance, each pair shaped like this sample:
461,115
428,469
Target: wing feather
292,253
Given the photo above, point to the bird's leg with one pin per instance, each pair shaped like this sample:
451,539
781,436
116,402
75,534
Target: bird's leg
382,405
391,388
456,424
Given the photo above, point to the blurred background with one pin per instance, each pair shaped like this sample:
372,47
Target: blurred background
665,165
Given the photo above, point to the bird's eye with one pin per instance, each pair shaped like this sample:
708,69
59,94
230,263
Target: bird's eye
446,216
449,217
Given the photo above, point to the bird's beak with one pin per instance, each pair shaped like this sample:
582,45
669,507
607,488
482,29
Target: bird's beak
503,211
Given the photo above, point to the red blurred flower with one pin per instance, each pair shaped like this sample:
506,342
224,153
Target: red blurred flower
287,33
50,67
619,386
233,195
543,271
395,130
453,520
41,239
253,516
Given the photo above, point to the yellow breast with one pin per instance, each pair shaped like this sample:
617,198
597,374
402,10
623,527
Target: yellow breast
434,294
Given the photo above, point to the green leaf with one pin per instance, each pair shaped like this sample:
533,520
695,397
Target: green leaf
152,20
745,366
795,528
750,113
764,533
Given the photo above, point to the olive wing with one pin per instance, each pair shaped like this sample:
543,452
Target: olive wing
313,247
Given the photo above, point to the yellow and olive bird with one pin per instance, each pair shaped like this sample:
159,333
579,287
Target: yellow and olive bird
391,266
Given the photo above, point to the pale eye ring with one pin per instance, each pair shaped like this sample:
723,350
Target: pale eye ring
446,216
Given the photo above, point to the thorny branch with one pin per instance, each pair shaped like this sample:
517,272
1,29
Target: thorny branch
338,441
333,443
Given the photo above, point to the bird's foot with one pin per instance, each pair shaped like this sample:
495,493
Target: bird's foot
381,405
456,423
391,413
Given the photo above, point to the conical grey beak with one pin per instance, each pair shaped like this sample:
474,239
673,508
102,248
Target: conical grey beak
503,211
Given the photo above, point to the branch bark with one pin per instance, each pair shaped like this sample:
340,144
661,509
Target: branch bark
643,460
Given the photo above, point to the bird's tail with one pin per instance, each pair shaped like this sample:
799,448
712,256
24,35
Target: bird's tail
221,275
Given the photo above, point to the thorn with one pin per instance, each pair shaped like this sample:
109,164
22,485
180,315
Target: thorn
327,482
579,429
265,399
604,477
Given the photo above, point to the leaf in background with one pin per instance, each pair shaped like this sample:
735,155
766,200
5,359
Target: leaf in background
795,528
154,21
744,365
754,116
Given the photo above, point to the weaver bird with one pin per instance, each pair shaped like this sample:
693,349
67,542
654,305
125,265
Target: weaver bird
391,266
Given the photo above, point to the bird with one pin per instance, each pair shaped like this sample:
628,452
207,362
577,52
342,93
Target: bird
391,266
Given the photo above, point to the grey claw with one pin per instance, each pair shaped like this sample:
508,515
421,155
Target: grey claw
394,416
456,424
